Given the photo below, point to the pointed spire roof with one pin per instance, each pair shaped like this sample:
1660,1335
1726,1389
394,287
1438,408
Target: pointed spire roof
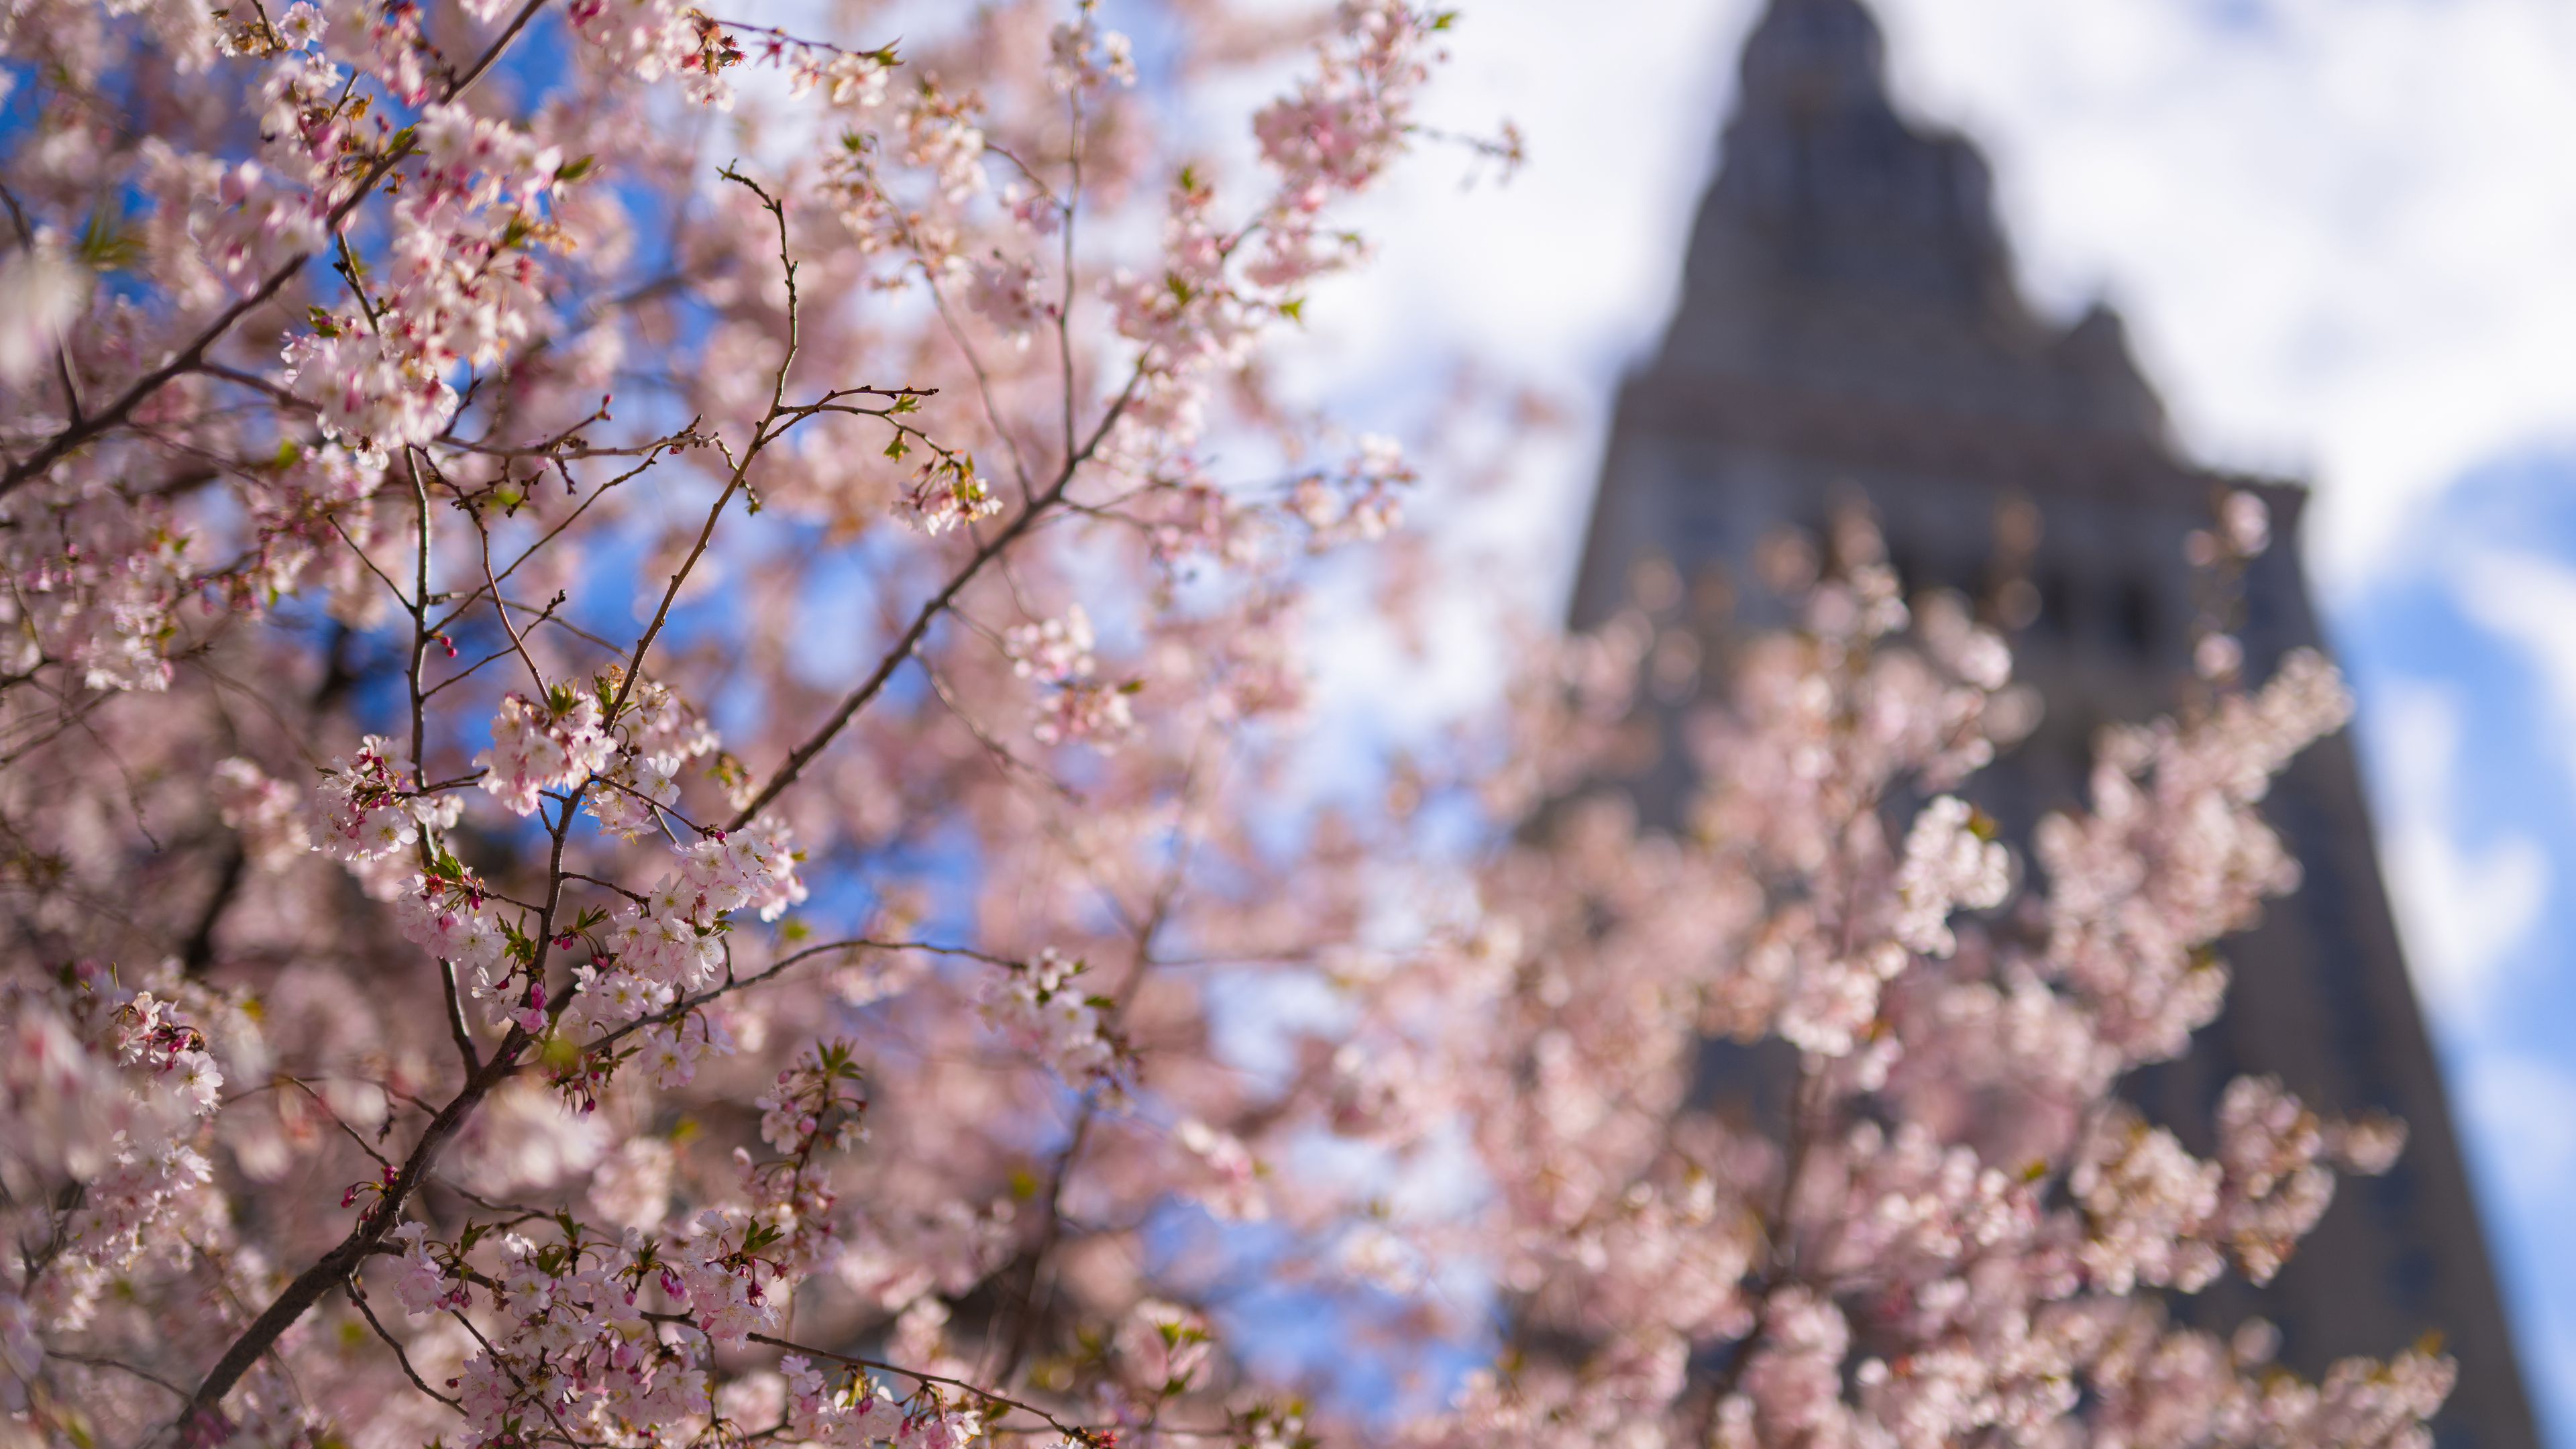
1847,250
1815,55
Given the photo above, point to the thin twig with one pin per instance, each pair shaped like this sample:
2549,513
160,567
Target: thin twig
187,358
1086,1433
358,1296
858,699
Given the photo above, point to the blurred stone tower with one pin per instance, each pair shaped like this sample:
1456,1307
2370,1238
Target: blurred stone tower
1850,330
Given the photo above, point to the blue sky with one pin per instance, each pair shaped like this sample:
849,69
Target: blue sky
2343,233
2464,654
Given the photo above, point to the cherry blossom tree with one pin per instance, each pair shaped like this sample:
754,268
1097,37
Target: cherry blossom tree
648,687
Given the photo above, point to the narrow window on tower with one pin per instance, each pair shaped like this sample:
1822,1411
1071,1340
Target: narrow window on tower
2056,603
2137,617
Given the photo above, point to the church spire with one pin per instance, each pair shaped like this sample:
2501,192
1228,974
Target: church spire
1826,188
1849,331
1815,55
1843,247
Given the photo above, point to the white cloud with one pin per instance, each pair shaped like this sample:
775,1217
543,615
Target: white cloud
2523,1112
2338,226
2339,231
1559,278
2526,1108
2462,911
2530,601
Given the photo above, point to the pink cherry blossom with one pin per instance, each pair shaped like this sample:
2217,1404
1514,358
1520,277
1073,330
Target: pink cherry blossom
699,776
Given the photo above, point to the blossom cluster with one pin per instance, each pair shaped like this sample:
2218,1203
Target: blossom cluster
411,454
670,941
104,1108
657,734
587,1342
553,744
1041,1008
1074,705
1957,1229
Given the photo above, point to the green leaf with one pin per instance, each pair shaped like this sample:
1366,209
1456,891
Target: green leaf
106,243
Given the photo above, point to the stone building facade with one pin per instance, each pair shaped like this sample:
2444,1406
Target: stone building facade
1850,331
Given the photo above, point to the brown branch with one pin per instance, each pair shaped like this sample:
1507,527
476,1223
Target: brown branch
190,358
87,1360
358,1296
938,603
1085,1433
1051,1232
681,1008
761,438
204,1409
